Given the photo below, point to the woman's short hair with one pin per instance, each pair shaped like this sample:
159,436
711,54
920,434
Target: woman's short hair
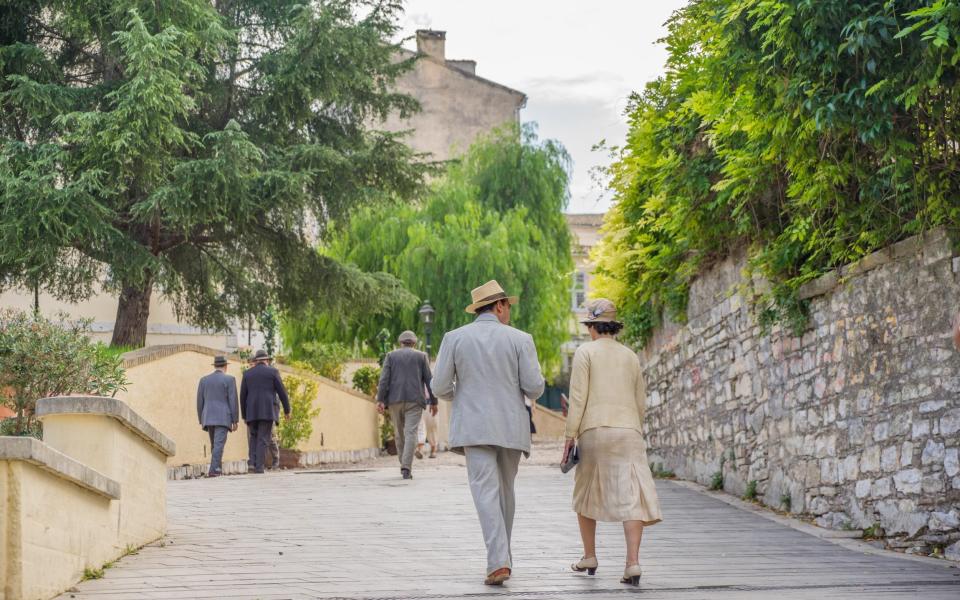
606,327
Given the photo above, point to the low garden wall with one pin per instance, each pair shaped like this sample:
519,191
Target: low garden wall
856,423
163,388
92,490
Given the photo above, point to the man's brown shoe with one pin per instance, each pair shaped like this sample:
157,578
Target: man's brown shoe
497,577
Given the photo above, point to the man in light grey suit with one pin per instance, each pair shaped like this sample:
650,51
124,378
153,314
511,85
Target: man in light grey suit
218,410
487,369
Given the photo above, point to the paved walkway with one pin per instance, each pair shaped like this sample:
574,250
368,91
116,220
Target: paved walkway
369,535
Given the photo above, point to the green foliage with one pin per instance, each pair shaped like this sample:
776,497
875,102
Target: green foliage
41,357
496,214
387,432
660,472
808,133
717,482
873,532
751,492
197,148
365,379
269,323
324,359
785,501
299,427
93,573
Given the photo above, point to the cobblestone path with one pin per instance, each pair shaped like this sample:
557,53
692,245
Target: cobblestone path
369,535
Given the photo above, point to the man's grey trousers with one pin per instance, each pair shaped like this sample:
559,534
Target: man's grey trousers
218,439
406,419
491,471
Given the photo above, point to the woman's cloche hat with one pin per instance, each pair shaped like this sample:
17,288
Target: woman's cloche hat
601,310
488,293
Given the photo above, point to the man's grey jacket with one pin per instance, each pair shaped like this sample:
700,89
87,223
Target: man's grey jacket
405,377
217,400
487,369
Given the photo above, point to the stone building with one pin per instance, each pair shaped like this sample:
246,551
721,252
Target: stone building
457,107
585,234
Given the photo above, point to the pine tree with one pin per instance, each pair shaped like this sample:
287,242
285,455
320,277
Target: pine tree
195,148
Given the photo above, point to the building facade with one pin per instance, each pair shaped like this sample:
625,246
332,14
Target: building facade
585,234
457,106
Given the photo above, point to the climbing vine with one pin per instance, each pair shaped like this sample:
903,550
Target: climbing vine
811,132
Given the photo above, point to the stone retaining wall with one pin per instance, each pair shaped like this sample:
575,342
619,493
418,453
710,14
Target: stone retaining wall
856,423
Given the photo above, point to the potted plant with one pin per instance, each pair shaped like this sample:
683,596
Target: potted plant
299,427
388,439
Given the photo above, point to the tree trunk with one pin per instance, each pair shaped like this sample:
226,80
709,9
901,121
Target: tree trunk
133,309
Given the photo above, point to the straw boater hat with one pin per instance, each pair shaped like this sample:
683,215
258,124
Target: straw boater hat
601,310
407,336
488,293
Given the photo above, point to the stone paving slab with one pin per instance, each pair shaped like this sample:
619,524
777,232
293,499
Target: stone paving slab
369,535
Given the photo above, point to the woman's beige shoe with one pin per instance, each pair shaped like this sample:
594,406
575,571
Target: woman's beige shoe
585,564
632,575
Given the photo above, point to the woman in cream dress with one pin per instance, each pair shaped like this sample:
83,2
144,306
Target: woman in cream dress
607,401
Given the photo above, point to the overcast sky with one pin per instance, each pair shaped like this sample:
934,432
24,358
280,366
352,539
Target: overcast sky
576,61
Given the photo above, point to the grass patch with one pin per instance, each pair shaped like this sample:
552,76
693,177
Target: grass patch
874,532
717,482
660,472
785,500
751,493
89,573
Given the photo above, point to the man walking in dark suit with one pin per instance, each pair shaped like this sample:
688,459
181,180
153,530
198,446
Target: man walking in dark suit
405,375
217,410
260,387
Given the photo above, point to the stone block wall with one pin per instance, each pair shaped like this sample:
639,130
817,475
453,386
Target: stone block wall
856,423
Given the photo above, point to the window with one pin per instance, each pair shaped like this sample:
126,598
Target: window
578,293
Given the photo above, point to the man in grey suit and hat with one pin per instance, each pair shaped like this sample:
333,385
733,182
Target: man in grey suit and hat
217,410
403,378
487,368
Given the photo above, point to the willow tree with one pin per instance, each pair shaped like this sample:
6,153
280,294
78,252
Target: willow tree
497,214
195,148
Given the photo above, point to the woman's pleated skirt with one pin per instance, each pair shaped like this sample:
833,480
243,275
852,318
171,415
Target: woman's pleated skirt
613,481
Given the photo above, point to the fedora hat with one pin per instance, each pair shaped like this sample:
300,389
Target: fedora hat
601,310
488,293
220,361
260,356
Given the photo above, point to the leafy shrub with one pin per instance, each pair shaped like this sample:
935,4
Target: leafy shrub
326,359
717,482
41,357
365,380
387,431
751,493
790,130
299,427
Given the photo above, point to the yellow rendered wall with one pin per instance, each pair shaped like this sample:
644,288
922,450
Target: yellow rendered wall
345,422
59,530
164,392
108,446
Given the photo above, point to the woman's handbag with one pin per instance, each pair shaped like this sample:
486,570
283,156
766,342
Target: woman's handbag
573,459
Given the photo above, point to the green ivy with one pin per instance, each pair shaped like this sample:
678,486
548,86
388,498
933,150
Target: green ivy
809,132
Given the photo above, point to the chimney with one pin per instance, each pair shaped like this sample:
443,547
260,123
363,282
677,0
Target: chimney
432,43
